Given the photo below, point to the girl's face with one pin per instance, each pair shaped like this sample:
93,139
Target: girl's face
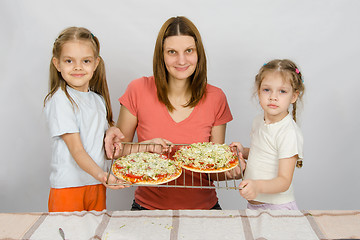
180,57
77,64
276,95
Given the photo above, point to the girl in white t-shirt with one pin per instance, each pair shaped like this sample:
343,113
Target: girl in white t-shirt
276,140
78,112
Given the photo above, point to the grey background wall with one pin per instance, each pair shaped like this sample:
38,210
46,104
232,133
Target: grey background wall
239,36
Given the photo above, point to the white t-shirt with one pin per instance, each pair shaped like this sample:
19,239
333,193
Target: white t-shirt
88,117
269,143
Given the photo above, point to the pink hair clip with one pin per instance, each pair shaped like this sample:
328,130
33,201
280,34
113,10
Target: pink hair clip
297,71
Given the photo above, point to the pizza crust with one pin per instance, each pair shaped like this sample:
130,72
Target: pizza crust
153,182
219,170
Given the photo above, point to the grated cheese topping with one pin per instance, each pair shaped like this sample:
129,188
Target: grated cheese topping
145,164
205,155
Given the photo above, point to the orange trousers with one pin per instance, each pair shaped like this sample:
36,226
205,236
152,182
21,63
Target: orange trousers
85,198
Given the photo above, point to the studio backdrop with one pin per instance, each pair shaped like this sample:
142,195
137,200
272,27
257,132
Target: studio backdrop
322,37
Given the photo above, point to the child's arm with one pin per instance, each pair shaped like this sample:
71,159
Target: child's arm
113,138
251,188
85,162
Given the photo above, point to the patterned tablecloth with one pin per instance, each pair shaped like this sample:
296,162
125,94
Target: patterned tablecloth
183,224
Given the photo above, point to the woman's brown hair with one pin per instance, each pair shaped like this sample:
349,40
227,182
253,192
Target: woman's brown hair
97,84
179,26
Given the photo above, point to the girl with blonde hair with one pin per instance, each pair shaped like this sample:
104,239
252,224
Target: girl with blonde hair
78,112
276,140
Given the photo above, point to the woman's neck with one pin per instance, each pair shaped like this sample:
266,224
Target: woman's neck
179,93
179,96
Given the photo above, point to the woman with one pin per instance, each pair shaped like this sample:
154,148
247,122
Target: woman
176,105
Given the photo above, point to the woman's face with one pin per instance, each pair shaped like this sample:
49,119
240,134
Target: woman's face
180,56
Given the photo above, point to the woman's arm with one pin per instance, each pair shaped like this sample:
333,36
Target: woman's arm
127,124
245,152
124,131
85,162
251,188
218,134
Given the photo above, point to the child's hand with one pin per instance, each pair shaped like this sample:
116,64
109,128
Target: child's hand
112,141
249,189
112,180
238,145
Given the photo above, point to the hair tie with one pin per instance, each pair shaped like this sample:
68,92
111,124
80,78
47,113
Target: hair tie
92,35
298,72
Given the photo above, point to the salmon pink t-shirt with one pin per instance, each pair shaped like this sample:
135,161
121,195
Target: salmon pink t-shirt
154,121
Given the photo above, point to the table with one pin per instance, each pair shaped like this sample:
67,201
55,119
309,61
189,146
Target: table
183,224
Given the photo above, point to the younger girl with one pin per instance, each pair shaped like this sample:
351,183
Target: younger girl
276,140
78,111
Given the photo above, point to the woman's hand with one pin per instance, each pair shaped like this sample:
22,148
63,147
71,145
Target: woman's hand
160,145
237,172
234,173
112,141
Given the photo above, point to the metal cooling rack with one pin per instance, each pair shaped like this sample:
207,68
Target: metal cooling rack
219,180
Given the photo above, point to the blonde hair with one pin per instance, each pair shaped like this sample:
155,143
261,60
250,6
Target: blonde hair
290,72
179,26
97,84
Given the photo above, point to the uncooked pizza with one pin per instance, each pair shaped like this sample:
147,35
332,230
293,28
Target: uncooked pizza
146,168
207,157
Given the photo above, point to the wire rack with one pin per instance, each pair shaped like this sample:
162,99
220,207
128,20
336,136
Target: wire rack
190,179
